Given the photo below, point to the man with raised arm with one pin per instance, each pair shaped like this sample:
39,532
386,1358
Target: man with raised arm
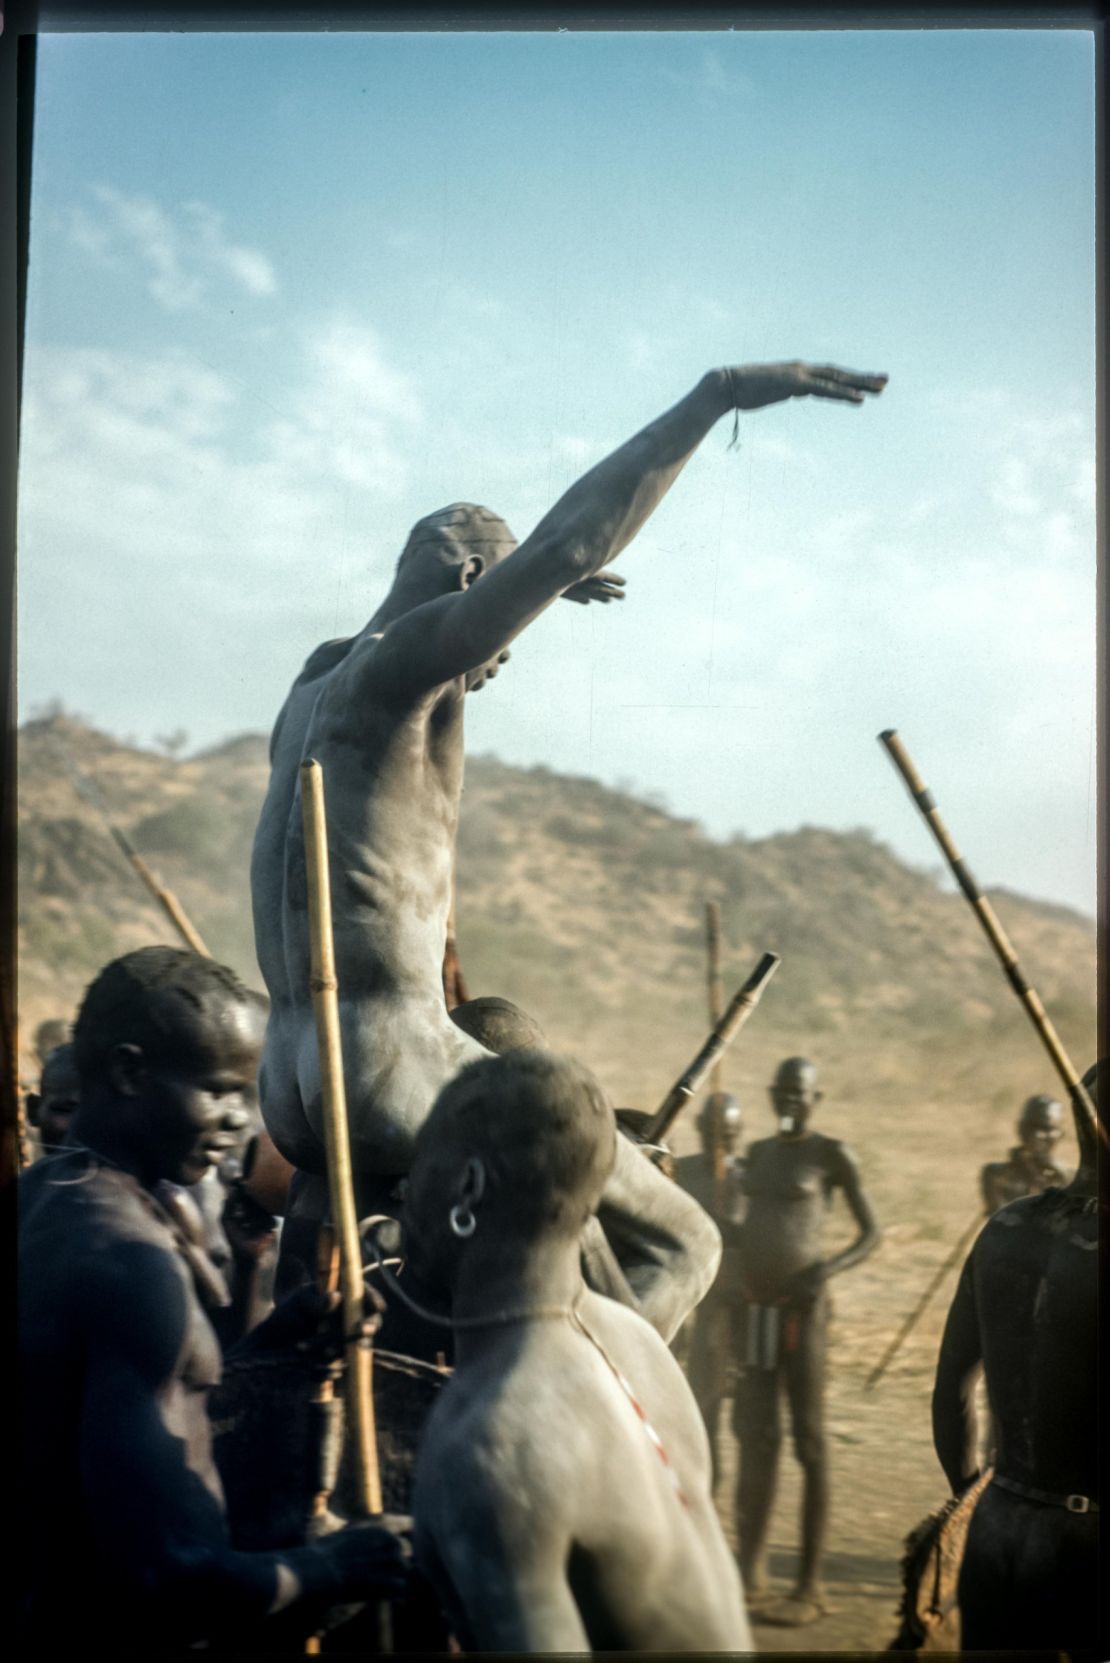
383,714
1025,1314
562,1496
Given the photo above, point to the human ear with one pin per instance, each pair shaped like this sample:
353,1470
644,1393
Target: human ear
471,570
31,1102
472,1184
127,1069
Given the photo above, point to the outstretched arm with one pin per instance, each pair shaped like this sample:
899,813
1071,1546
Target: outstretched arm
955,1434
590,525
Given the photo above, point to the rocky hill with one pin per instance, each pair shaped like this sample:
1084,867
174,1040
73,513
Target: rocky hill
586,906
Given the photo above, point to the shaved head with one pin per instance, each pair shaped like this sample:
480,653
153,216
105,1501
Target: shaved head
1043,1113
457,533
528,1138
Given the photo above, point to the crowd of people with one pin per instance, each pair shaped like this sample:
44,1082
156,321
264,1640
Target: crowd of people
540,1252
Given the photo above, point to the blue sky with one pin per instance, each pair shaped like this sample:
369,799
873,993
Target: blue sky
287,294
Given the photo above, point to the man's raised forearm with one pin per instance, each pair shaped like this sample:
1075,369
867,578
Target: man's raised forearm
602,512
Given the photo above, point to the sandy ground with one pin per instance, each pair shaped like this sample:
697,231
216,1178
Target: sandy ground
885,1475
885,1478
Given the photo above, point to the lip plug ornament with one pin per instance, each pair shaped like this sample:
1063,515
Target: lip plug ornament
786,1123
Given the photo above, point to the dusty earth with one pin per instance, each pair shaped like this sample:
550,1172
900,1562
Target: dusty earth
885,1476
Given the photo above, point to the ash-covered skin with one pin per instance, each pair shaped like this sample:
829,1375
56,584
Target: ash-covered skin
382,713
1025,1314
1029,1168
116,1355
716,1328
544,1514
788,1184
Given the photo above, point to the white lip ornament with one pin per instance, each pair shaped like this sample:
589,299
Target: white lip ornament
786,1123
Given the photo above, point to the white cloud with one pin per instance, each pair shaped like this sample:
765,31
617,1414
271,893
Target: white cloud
148,466
183,254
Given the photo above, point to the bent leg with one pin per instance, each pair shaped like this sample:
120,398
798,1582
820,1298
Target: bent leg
667,1246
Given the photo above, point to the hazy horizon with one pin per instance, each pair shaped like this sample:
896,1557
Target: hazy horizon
289,293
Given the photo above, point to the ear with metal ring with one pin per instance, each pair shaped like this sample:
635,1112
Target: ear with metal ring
461,1217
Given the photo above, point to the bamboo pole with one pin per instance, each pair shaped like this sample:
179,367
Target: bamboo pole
716,994
1028,996
911,1321
166,898
715,989
325,1002
723,1033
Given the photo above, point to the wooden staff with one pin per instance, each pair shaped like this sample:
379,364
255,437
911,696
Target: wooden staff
911,1322
341,1191
715,989
743,1003
1083,1108
716,994
166,898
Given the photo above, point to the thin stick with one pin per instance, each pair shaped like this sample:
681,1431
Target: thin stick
743,1003
995,934
715,989
166,898
922,1305
325,1002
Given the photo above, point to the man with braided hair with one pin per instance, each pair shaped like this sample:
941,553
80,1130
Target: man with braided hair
116,1351
383,715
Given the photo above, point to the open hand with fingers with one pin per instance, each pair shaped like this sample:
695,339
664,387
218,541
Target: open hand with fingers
751,386
604,586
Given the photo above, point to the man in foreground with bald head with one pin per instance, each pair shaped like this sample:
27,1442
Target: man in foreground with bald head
383,715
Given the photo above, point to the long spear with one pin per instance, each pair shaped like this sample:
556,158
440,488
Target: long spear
1082,1106
166,898
715,990
337,1144
740,1007
914,1317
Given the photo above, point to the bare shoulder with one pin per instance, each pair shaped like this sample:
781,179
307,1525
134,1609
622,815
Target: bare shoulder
497,1448
839,1159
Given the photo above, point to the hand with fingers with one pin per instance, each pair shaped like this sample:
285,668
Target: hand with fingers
368,1558
603,586
752,386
